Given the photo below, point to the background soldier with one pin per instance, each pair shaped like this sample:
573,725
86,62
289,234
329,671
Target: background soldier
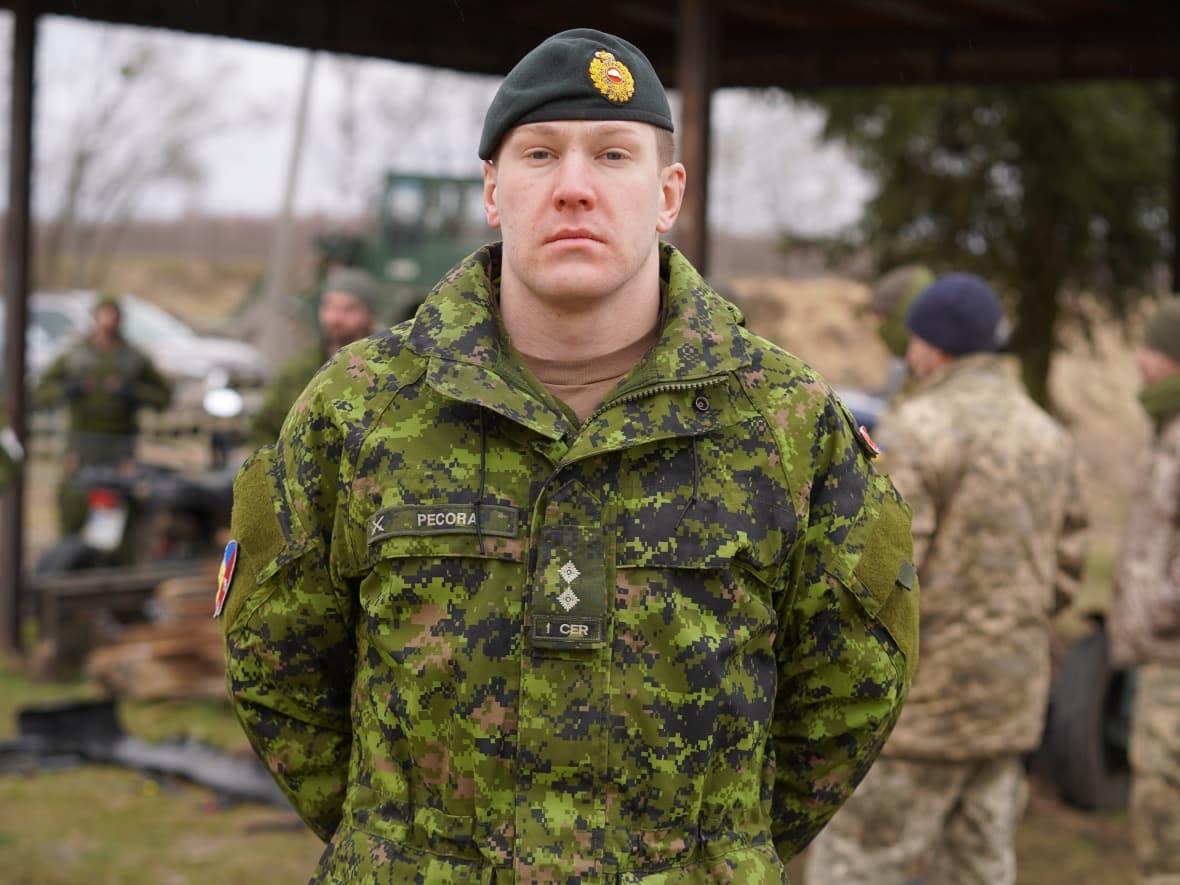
104,382
348,310
891,298
997,526
570,578
1145,617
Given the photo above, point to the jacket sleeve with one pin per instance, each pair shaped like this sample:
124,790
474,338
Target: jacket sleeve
152,390
51,387
1167,622
288,617
850,624
1071,541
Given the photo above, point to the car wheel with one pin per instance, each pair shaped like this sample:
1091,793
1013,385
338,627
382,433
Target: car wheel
1089,726
70,554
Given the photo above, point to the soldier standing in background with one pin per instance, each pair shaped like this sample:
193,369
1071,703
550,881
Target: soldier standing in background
998,543
891,298
103,382
1145,615
348,310
570,578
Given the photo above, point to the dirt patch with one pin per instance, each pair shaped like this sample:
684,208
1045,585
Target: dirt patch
1093,383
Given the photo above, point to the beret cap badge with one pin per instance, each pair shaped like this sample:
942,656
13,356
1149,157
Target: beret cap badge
611,77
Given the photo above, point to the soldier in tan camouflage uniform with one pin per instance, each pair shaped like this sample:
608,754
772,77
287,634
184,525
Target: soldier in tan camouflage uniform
1145,616
998,536
570,578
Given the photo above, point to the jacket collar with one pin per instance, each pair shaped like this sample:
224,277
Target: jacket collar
458,330
976,365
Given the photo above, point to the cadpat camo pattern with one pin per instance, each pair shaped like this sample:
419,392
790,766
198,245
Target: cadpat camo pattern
475,642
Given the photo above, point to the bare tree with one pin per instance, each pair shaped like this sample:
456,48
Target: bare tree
131,132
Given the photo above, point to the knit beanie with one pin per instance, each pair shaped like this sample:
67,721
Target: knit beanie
580,74
1162,332
959,314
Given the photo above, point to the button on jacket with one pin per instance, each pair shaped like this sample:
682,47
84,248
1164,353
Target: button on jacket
476,641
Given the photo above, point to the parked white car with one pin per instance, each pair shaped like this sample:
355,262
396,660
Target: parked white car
191,360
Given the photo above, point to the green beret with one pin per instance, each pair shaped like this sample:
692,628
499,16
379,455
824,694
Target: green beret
1162,332
576,75
358,283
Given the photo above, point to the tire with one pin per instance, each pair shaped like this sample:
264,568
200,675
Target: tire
1088,727
70,554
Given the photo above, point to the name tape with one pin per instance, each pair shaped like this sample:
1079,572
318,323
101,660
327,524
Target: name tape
436,519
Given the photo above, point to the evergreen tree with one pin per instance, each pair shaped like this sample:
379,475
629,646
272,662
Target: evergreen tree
1046,191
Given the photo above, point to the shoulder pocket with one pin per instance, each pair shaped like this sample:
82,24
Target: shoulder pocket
888,579
256,529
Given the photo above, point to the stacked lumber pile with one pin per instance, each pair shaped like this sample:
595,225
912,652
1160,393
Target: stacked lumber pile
178,654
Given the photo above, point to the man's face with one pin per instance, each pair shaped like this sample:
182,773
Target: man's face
923,358
580,206
106,319
1154,366
344,318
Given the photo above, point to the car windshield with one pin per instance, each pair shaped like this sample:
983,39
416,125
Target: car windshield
145,324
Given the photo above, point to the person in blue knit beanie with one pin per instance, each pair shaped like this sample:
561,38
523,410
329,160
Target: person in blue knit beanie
959,314
993,483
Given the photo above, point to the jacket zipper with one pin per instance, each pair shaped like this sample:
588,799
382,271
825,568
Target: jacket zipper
658,388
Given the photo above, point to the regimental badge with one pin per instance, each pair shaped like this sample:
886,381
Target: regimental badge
611,77
224,576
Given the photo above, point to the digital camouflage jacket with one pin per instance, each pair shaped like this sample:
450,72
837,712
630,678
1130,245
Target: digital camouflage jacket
999,541
1145,614
475,642
282,391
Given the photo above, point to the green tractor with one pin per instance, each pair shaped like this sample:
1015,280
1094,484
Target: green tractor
425,223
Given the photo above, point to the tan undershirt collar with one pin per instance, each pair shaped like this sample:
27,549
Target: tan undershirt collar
581,384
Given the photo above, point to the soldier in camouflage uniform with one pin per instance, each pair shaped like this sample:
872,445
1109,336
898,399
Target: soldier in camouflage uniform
104,382
891,298
998,541
570,578
1145,616
348,311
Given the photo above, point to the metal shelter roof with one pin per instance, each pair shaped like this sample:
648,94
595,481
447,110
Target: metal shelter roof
783,43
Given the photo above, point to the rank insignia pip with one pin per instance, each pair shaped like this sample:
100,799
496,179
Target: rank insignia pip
224,576
611,77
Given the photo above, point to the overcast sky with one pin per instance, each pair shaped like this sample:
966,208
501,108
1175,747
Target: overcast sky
771,173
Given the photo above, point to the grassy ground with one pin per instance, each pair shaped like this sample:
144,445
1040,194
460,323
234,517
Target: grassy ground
114,826
99,824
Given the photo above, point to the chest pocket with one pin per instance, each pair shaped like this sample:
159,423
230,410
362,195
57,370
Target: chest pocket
433,583
690,505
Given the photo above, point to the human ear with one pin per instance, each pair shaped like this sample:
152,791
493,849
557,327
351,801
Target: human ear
489,194
672,181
